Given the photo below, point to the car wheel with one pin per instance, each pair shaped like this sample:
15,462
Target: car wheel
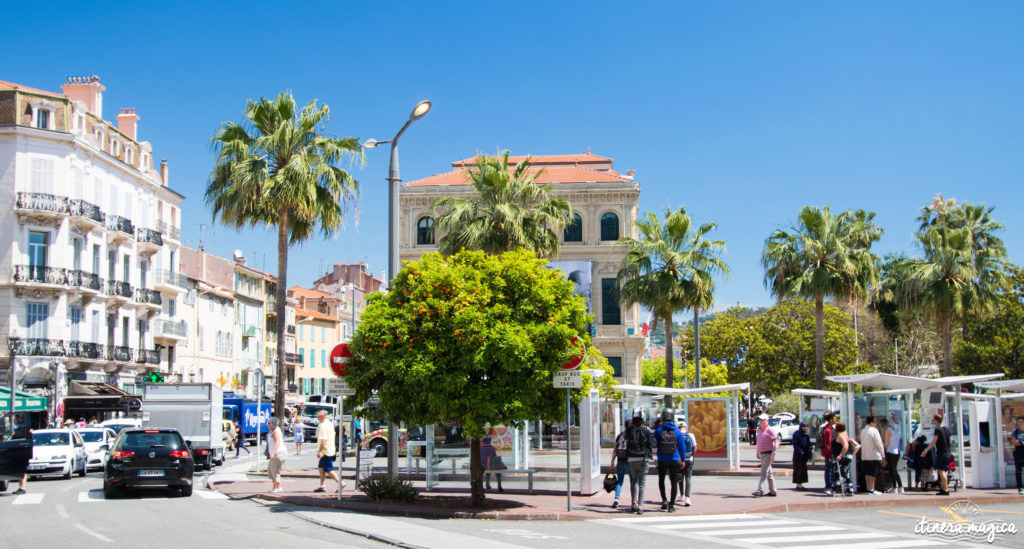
109,492
83,471
186,491
71,467
3,485
380,447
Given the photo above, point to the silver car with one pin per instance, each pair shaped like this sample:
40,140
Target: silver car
97,441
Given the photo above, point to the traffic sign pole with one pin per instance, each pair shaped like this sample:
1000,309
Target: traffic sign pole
341,438
568,446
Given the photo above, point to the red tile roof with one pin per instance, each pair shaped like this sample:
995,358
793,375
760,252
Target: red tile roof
299,291
544,159
552,174
299,312
13,86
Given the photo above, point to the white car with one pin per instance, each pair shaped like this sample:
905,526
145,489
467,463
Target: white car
121,423
786,426
97,441
57,452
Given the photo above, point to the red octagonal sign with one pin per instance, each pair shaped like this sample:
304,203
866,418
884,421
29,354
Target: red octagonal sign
340,357
576,359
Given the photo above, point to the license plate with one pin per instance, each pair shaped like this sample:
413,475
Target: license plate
151,473
36,467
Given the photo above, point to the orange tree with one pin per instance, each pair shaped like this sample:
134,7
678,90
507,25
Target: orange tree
471,338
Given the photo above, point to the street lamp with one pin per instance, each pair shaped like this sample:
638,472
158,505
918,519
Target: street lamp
418,112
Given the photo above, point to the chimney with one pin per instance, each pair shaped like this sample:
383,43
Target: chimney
128,123
86,89
163,171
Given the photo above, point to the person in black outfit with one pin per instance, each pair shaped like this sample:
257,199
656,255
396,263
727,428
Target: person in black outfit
801,453
1018,452
941,443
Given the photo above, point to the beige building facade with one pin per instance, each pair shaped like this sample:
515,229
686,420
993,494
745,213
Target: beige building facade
605,205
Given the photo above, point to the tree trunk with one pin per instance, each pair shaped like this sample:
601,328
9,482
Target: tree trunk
668,358
946,330
281,294
476,474
819,342
696,345
856,332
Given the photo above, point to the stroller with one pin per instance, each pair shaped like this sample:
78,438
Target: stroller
953,479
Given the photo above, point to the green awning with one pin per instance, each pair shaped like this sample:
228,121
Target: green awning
23,402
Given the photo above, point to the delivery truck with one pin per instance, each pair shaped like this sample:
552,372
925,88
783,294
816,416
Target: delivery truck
251,415
192,409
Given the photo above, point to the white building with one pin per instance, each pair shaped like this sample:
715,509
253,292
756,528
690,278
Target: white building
89,283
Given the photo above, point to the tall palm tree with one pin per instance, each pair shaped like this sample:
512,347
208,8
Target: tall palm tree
670,268
278,169
865,280
962,268
821,257
508,211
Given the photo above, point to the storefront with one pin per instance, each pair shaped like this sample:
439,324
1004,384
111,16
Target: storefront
88,400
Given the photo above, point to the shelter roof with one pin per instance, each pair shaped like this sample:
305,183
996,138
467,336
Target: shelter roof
816,393
650,389
1004,384
892,381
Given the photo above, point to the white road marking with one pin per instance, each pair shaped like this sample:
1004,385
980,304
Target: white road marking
28,499
528,534
91,496
692,518
760,523
827,537
210,494
62,511
881,544
96,535
766,530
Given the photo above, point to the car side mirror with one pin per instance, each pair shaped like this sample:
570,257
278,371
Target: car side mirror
189,444
104,448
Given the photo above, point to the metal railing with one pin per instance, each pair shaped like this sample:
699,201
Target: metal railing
149,236
37,347
172,232
118,288
88,210
290,329
171,328
120,354
82,279
41,274
145,295
164,276
292,358
41,202
147,356
122,224
82,349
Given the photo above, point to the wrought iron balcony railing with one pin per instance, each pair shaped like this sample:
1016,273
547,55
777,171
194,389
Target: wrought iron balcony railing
118,288
122,224
292,358
170,328
41,202
120,354
37,347
149,236
85,209
145,295
40,274
163,276
81,279
171,231
82,349
147,356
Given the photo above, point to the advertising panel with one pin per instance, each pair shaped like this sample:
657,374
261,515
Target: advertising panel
1012,409
579,273
707,420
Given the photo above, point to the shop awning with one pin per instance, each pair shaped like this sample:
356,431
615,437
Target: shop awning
23,402
87,396
654,390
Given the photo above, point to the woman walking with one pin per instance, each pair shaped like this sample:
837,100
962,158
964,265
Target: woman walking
801,453
277,452
298,434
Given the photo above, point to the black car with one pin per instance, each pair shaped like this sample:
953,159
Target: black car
148,458
16,444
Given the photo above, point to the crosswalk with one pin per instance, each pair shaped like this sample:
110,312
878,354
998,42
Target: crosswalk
775,531
96,496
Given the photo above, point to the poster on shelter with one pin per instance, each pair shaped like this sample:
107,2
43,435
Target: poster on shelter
707,421
1012,409
579,272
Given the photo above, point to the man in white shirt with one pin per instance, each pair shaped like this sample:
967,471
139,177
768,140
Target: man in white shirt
871,453
326,449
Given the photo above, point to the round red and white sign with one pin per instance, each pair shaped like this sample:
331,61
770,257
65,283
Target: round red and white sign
576,359
340,357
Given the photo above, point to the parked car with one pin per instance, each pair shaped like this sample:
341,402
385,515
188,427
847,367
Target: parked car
148,458
378,440
97,441
786,426
119,424
57,452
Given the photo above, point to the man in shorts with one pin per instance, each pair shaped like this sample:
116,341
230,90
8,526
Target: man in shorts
326,449
941,441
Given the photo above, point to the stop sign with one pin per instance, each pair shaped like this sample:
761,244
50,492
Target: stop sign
340,356
577,359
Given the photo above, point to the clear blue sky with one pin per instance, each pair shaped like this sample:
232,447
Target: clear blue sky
741,111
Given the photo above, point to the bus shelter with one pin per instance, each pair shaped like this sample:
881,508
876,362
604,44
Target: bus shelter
1005,390
821,402
714,421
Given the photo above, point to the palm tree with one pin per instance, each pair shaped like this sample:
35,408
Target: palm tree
669,268
508,211
962,269
821,257
865,280
277,169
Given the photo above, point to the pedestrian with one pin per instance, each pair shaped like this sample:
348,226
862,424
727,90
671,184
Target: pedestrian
491,461
276,452
671,456
620,463
239,437
872,453
686,480
80,423
893,440
1018,452
752,431
767,443
326,449
843,449
801,453
827,434
922,465
298,434
941,442
639,445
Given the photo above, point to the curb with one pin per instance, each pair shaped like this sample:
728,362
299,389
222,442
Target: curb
353,531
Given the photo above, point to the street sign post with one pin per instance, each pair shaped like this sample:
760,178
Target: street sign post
569,378
340,357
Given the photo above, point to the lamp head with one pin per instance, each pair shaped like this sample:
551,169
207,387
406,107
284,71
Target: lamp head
371,143
421,109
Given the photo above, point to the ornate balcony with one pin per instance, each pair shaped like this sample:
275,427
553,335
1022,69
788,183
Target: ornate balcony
121,228
119,290
119,354
38,347
174,233
84,281
169,330
148,239
86,351
292,358
148,297
40,208
147,356
86,214
32,275
167,281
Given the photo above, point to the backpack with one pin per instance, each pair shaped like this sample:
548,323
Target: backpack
621,447
691,446
667,442
636,441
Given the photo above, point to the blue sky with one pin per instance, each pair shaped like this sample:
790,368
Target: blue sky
741,111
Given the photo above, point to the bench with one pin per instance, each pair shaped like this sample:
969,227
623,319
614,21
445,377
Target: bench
528,472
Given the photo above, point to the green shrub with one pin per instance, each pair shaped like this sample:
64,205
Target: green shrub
384,488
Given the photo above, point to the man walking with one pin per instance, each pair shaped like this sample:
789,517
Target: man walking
871,453
671,453
639,445
686,480
325,449
827,434
767,443
941,442
1017,437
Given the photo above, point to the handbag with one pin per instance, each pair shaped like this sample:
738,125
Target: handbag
610,481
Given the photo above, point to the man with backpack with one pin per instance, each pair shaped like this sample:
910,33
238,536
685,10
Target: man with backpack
639,444
671,453
686,480
620,463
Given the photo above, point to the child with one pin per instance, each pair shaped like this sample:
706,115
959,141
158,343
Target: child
922,465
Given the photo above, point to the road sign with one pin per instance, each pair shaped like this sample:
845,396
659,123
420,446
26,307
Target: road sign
568,379
577,359
340,357
339,387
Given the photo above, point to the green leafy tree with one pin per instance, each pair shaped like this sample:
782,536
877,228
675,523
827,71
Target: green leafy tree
508,211
653,374
278,169
669,268
823,256
469,338
996,339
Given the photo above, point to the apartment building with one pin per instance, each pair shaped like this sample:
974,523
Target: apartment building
350,283
89,281
605,205
318,330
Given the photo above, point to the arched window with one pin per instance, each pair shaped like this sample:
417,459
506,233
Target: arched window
609,226
424,231
574,232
